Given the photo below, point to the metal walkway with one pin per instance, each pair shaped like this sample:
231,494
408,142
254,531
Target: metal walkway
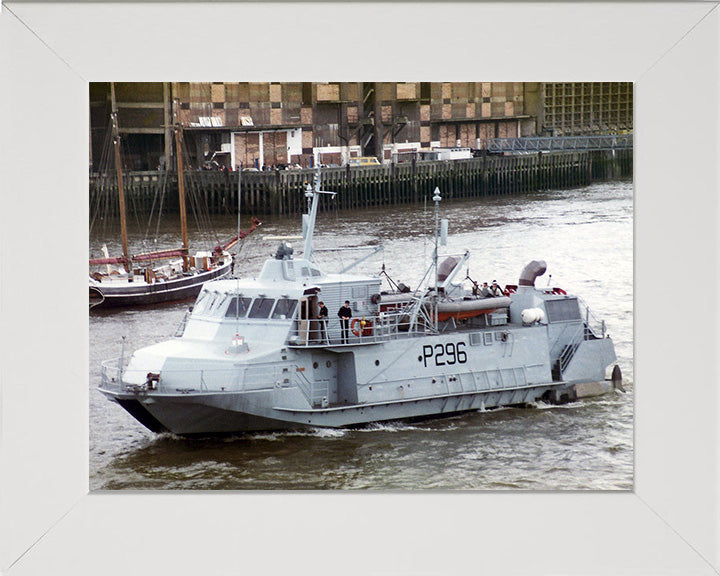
550,143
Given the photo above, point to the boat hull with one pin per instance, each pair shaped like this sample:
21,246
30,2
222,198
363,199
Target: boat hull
168,389
237,413
107,295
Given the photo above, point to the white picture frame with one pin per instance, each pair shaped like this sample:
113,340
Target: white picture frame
50,524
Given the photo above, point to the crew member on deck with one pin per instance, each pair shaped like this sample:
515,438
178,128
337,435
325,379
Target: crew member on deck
495,289
345,314
322,321
485,290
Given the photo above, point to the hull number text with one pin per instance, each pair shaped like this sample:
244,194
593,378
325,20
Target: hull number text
443,354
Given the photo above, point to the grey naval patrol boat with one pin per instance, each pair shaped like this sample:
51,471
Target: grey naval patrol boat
253,355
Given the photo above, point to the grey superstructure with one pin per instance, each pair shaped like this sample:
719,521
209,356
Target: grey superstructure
253,355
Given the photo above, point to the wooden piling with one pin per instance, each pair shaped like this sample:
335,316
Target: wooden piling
282,192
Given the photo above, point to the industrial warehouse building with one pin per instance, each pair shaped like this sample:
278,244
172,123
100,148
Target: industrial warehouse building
276,124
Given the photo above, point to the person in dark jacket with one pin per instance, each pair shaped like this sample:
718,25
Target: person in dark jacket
322,321
345,314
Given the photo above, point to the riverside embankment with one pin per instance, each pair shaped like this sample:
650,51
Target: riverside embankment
278,192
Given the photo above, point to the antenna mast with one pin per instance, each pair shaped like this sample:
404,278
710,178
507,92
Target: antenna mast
312,194
436,199
239,211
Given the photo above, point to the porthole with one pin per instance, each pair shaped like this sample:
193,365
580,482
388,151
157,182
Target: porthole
328,363
315,364
377,362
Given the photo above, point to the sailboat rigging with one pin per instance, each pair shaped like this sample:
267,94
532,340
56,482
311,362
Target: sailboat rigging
140,281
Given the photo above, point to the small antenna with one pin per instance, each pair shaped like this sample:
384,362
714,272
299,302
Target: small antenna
239,212
436,199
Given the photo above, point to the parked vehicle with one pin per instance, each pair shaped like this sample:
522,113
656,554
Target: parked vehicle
364,161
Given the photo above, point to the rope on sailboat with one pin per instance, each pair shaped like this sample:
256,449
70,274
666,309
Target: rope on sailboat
199,208
132,197
200,212
159,192
101,176
162,201
104,183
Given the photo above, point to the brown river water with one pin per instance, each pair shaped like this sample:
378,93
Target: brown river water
586,237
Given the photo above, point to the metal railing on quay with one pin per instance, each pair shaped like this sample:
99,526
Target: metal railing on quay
561,143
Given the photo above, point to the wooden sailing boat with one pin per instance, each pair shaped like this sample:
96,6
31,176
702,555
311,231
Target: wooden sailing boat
140,281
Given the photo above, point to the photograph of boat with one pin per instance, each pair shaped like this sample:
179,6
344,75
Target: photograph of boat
464,214
418,322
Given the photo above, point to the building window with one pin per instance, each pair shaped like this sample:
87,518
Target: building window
307,93
425,92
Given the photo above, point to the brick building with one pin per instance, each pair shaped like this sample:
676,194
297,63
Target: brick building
257,124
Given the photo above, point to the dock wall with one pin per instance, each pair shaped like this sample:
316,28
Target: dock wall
282,191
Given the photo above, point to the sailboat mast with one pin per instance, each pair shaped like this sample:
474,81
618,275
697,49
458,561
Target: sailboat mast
181,187
121,189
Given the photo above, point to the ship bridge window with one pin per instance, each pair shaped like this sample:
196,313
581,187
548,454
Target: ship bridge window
314,272
284,309
565,310
238,308
261,308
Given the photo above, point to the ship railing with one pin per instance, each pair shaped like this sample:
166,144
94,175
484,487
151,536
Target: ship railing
371,329
315,392
111,375
594,327
569,333
257,376
570,347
